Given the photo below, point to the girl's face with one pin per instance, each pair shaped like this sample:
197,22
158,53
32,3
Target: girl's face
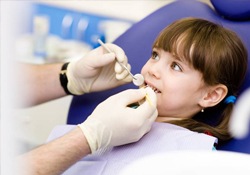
178,86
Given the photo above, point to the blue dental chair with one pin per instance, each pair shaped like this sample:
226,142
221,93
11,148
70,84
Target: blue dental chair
137,44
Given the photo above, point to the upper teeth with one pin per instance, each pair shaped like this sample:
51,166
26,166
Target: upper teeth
153,88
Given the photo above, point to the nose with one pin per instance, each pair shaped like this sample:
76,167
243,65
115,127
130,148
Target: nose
155,70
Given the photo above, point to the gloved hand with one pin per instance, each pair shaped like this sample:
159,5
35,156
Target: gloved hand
112,123
98,70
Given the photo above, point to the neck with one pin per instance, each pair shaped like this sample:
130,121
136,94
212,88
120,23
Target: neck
166,119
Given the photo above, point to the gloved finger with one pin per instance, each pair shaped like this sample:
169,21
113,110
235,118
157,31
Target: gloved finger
148,106
150,115
119,68
153,117
147,125
124,60
151,97
120,54
123,74
146,128
128,78
131,96
102,60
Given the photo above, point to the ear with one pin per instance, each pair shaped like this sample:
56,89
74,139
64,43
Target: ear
213,96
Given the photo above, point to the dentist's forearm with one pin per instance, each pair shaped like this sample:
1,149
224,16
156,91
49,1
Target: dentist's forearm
39,83
57,156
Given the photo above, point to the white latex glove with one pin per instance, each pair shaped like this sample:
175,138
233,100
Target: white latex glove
98,70
112,123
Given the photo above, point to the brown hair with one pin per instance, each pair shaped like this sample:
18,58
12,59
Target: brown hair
218,54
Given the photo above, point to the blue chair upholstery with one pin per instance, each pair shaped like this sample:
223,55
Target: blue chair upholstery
233,9
137,44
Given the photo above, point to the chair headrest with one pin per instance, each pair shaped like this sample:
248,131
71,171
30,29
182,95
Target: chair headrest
233,10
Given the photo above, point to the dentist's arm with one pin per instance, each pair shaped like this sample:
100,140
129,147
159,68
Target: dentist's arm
38,83
55,157
110,124
96,71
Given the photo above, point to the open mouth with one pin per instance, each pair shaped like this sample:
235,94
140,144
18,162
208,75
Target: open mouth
153,88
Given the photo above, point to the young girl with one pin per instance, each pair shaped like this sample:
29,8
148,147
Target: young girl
196,69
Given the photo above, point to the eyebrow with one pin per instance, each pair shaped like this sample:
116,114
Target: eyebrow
178,58
175,56
185,64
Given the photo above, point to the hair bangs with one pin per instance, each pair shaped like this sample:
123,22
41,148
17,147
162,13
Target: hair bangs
180,43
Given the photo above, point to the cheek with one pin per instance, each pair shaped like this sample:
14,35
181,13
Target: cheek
144,69
162,104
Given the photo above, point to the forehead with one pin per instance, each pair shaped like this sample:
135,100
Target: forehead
180,46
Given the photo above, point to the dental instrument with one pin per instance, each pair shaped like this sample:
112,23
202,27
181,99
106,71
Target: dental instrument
138,79
149,100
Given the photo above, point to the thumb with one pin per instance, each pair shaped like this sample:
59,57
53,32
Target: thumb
132,96
150,102
151,97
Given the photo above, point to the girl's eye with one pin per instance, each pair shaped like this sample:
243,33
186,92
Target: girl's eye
155,56
176,67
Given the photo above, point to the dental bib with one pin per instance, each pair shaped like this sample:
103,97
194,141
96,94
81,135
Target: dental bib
162,138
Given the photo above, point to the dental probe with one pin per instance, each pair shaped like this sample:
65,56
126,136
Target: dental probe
107,49
138,79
